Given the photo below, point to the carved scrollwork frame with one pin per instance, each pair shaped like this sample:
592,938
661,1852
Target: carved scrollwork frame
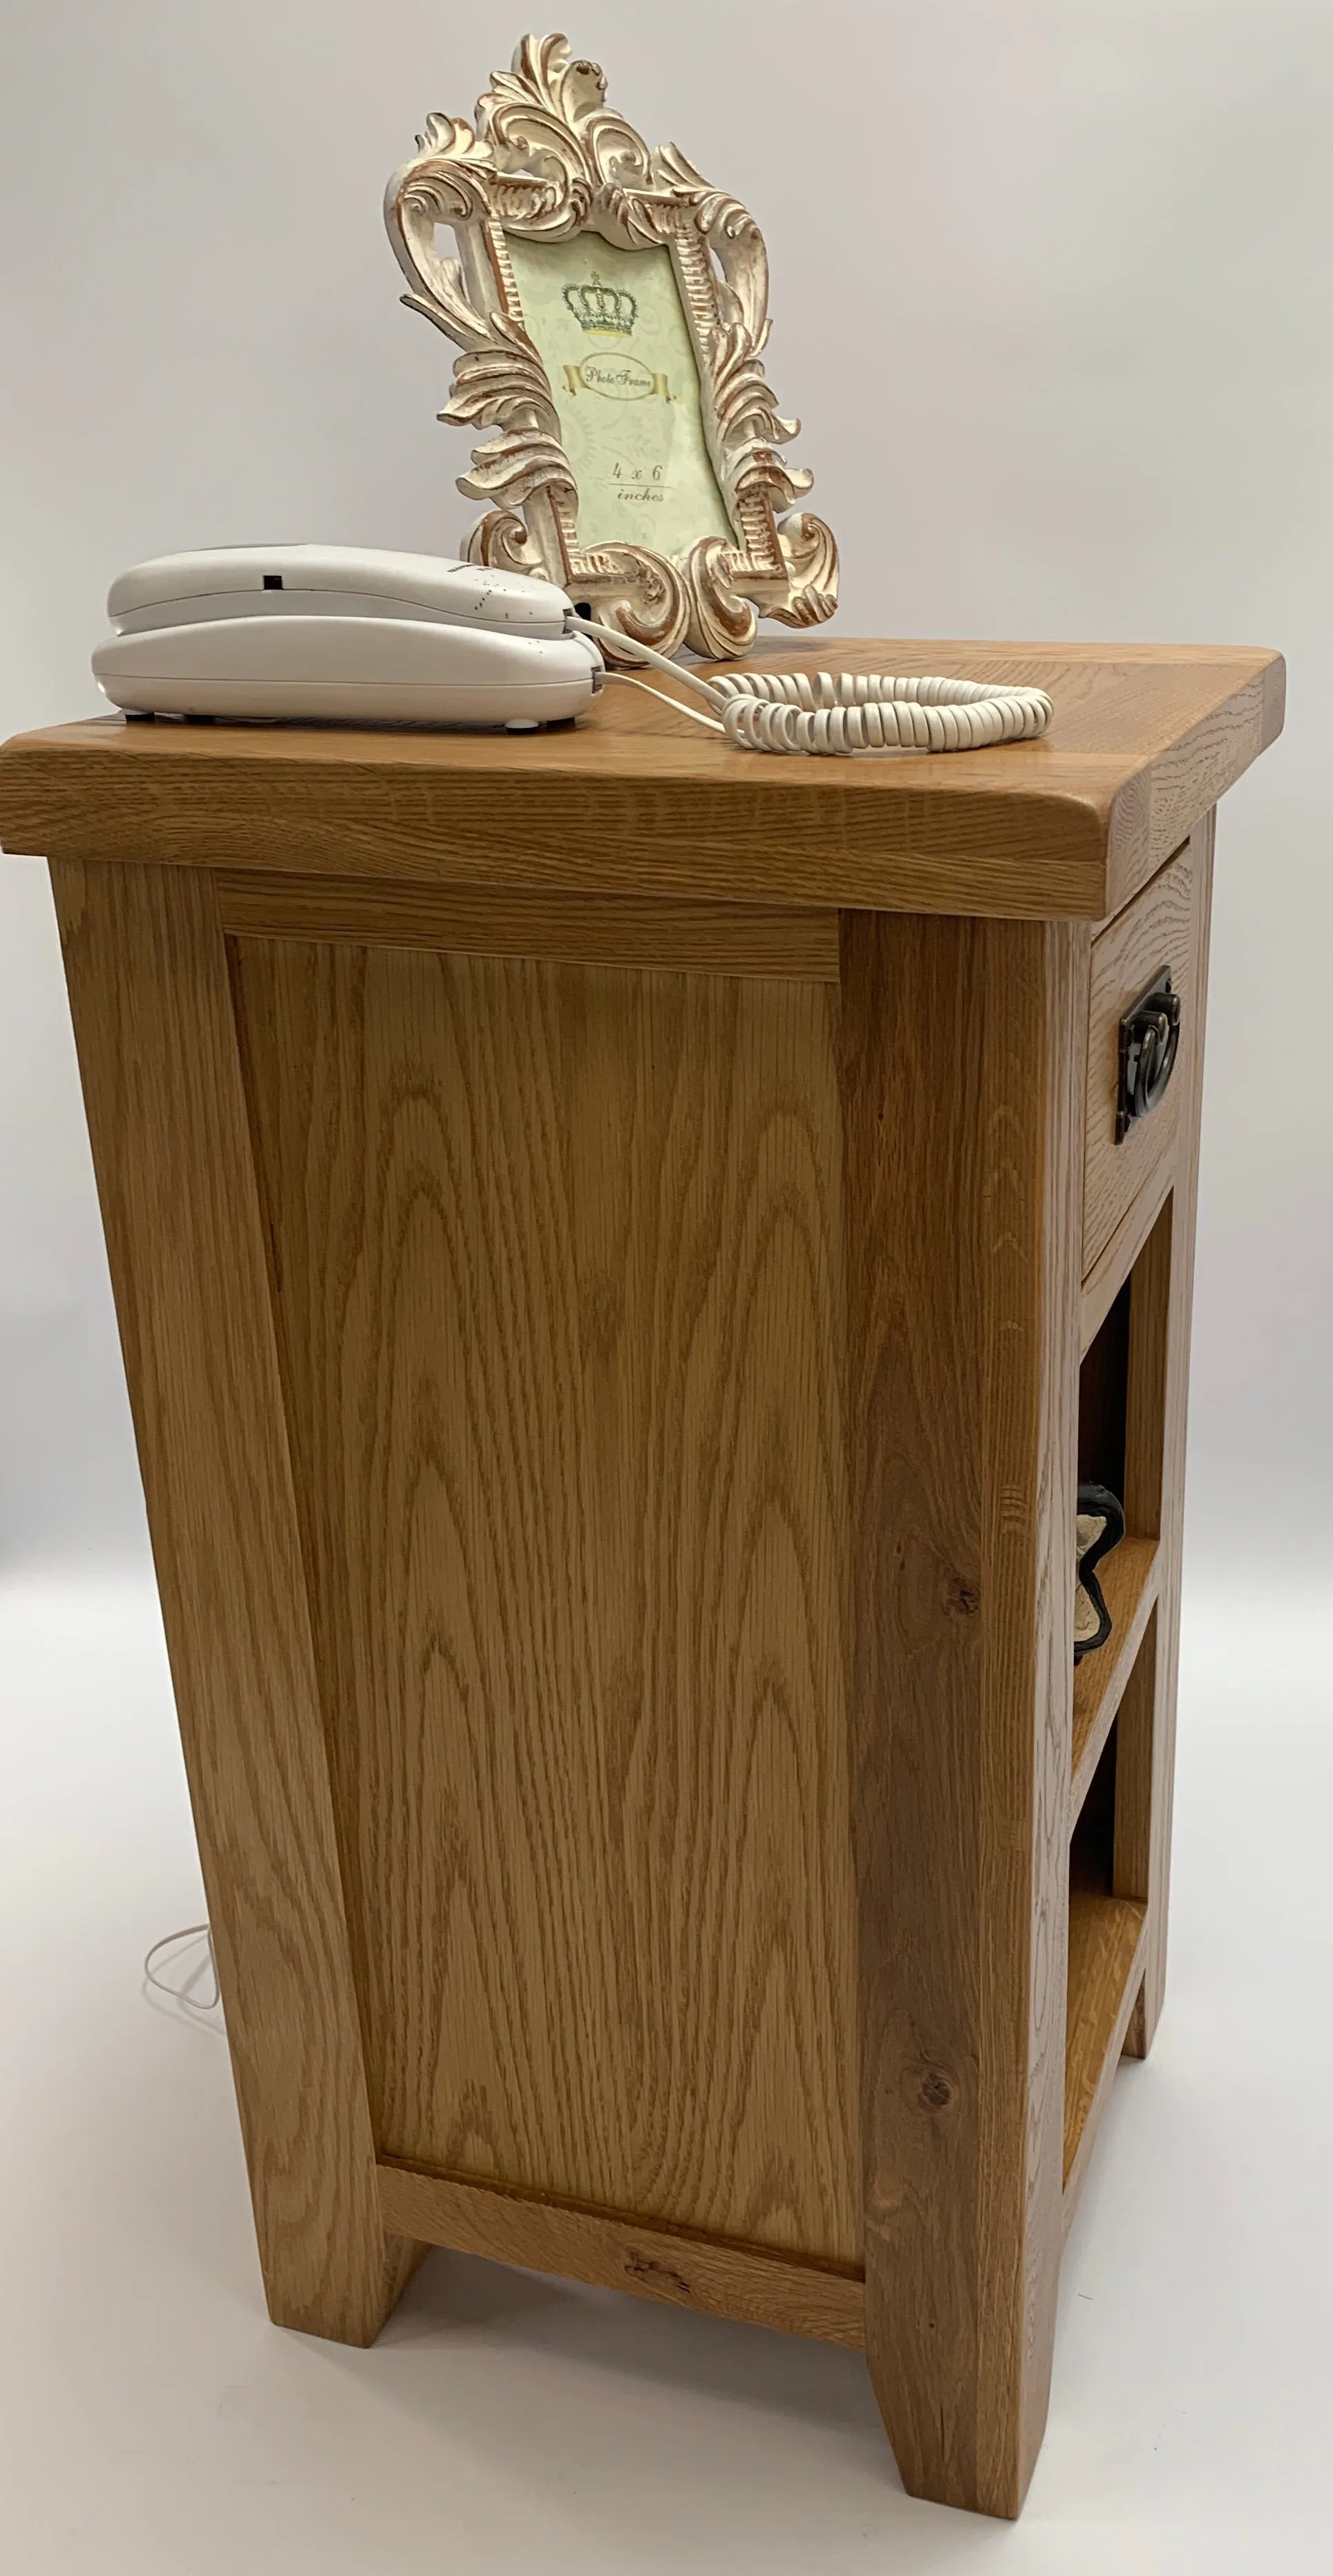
548,158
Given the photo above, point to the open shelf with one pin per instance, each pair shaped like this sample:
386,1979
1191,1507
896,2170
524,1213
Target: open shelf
1108,1913
1128,1577
1105,1963
1103,1383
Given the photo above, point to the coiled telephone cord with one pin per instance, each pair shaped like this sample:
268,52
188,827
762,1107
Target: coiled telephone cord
801,711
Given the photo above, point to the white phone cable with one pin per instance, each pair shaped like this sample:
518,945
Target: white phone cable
183,1993
858,711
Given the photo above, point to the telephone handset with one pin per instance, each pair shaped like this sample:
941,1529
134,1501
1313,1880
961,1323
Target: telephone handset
344,634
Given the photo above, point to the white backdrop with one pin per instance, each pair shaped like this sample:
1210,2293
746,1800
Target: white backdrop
1062,270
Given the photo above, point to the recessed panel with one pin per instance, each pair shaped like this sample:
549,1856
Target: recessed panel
556,1256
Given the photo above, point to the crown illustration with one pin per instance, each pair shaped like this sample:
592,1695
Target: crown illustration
602,308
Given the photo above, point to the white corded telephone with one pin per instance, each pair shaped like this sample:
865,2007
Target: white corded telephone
343,633
347,634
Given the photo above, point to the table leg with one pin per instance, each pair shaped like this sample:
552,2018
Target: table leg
1158,1392
147,970
962,1074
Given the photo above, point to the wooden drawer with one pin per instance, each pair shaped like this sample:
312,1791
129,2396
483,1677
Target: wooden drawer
1160,928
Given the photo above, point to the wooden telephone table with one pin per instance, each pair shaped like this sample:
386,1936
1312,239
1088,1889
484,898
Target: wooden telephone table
622,1254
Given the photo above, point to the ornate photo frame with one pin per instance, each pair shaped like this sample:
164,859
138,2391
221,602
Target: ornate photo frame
547,162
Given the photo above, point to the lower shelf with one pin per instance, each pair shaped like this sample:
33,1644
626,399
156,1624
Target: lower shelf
1105,1963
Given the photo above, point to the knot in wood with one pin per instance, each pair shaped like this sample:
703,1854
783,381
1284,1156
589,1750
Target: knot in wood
645,2267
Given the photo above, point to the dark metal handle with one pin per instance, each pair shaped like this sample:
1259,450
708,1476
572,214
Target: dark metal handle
1149,1045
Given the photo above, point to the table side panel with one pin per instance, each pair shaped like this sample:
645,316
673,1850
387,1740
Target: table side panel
557,1256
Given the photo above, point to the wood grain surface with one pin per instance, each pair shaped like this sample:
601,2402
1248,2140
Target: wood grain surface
1157,1414
1156,930
1131,1864
704,2273
1128,1578
637,799
1148,1430
1106,1946
642,931
1103,1283
607,1400
557,1259
963,1083
146,966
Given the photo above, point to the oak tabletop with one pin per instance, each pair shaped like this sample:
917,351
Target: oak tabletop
633,797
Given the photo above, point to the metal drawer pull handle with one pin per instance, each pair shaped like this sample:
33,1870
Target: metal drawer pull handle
1149,1045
